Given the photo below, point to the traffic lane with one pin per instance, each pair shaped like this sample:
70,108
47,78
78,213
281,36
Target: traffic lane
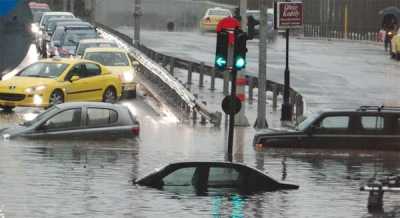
327,73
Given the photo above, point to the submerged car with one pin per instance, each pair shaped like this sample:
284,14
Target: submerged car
118,62
369,127
209,177
212,17
53,81
78,119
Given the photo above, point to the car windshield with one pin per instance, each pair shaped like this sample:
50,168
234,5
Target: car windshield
40,117
219,13
38,12
44,70
83,46
46,18
306,123
108,58
72,37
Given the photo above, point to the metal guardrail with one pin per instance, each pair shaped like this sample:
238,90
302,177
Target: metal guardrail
163,85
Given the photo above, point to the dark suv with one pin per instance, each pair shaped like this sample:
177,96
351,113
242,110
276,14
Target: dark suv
369,127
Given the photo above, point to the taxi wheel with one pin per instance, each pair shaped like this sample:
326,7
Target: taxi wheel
110,95
57,97
7,109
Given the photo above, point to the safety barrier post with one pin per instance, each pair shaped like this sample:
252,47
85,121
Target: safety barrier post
275,94
171,65
201,76
190,71
203,120
212,86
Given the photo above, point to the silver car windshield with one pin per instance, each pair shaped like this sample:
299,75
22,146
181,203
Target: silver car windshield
306,123
108,58
40,117
44,70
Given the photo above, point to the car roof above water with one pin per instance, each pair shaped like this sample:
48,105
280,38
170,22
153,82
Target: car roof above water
88,104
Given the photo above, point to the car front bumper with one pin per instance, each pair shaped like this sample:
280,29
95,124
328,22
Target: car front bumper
129,86
23,100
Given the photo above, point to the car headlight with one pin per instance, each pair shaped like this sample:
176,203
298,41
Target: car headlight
128,76
34,28
35,89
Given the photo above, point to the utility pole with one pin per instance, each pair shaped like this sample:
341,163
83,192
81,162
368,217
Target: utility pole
65,5
137,14
261,121
72,6
93,10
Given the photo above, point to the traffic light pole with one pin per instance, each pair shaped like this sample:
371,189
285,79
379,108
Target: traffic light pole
232,116
286,107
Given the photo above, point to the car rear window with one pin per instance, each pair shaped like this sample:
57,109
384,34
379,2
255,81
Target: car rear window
108,58
101,117
222,176
219,13
335,122
372,122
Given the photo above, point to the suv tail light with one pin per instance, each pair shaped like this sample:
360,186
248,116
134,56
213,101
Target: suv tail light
135,130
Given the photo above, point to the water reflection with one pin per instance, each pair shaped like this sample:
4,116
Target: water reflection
236,204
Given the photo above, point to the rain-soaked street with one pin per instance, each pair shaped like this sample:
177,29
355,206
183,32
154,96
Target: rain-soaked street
78,178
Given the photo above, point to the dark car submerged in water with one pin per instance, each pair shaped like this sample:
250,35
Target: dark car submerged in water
369,127
207,178
80,120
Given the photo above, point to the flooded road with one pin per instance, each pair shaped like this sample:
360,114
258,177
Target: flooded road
94,179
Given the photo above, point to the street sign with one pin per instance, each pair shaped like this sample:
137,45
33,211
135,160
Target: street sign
289,15
231,105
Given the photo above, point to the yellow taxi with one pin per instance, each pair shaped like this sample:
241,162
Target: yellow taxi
118,62
53,81
212,17
396,46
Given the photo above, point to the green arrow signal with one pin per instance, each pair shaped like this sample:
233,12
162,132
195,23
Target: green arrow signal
221,62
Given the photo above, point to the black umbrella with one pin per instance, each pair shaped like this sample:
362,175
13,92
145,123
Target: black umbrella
395,11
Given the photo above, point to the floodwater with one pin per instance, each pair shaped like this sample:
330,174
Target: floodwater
94,179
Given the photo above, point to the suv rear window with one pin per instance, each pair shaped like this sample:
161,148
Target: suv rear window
101,117
372,122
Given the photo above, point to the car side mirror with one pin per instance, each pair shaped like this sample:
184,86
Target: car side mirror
74,78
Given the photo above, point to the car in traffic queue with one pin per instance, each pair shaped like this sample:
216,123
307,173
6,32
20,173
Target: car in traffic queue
369,127
54,81
118,62
93,43
80,120
212,17
72,37
54,45
37,10
51,25
205,178
42,35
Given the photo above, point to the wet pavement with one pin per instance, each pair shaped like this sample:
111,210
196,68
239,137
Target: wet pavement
329,74
75,178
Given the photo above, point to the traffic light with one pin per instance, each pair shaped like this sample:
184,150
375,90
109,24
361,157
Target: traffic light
221,54
240,50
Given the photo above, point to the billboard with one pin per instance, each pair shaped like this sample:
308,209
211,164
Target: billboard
289,15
